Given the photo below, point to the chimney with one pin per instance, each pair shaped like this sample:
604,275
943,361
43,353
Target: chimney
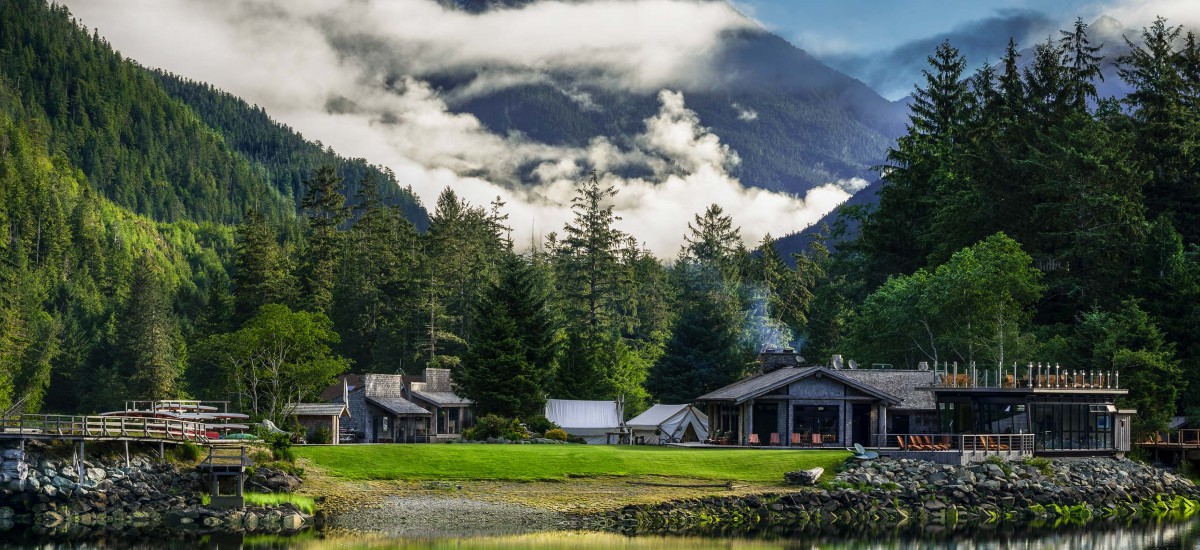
772,359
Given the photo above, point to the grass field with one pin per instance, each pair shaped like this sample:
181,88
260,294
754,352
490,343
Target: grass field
557,462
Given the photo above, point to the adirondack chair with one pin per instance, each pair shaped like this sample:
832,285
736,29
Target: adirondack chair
995,444
934,446
916,444
775,442
754,440
900,442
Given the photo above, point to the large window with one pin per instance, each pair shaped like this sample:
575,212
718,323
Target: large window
1073,426
822,420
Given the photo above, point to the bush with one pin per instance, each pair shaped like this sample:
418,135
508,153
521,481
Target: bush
188,452
998,461
492,426
539,424
1042,464
322,436
558,434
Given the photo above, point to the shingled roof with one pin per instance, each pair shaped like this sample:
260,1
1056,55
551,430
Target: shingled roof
762,384
900,383
398,406
316,409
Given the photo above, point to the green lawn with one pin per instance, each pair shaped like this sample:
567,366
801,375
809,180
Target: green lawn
553,462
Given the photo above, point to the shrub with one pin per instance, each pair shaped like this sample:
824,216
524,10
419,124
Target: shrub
558,434
1003,464
539,424
1042,464
492,426
322,435
188,452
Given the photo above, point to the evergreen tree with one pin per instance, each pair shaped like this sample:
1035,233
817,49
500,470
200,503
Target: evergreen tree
262,277
507,365
152,347
325,206
1082,63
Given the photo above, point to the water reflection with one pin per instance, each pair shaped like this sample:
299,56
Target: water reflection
1162,536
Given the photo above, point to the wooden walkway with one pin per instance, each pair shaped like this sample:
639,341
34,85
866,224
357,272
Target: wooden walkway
101,428
1181,439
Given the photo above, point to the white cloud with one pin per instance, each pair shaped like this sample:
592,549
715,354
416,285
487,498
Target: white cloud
745,114
1141,13
350,74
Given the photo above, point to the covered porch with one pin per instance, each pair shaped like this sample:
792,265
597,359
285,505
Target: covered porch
397,420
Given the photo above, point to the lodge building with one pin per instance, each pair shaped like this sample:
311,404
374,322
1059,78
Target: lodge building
1020,410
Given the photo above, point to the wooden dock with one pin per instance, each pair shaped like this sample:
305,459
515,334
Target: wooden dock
101,428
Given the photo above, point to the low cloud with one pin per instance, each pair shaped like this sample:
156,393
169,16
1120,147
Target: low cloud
745,114
356,76
894,72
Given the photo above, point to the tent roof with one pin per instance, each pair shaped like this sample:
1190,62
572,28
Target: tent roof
583,414
655,416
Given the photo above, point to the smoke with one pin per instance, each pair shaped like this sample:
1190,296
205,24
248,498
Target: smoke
761,330
356,76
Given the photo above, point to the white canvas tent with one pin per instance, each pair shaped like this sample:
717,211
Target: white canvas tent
670,424
591,420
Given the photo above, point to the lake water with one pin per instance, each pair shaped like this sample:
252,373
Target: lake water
1165,535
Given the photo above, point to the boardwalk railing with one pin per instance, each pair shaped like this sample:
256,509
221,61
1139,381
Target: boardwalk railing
1180,438
972,443
53,426
1030,376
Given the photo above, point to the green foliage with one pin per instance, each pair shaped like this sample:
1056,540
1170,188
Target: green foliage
539,424
322,436
495,427
1001,462
1042,464
278,356
558,434
305,503
506,368
187,452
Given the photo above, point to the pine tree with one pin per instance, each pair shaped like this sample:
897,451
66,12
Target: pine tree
509,360
1082,64
261,277
325,206
152,349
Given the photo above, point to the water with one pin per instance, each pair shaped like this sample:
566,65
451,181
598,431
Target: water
1165,535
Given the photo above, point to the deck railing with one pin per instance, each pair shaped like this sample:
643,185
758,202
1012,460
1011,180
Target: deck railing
54,426
1031,376
1179,438
974,443
175,404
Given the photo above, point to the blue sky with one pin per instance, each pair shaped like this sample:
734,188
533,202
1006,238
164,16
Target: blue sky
883,42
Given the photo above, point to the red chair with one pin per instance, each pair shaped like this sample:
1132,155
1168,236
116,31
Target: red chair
754,440
797,439
775,440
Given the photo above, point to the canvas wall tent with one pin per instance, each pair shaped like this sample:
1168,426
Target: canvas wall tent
670,424
591,420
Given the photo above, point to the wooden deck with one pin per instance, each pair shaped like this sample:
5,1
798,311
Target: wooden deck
101,428
1182,439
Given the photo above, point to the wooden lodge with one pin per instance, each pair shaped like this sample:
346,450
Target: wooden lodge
938,412
394,408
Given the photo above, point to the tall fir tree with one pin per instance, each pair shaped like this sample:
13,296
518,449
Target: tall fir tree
325,206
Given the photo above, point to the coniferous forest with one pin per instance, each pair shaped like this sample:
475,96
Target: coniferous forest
160,239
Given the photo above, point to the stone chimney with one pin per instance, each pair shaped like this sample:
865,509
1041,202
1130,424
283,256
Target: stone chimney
772,359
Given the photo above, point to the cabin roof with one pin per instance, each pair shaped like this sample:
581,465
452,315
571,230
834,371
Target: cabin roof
761,384
908,385
398,406
317,409
441,398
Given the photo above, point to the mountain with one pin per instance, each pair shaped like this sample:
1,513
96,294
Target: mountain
795,122
155,144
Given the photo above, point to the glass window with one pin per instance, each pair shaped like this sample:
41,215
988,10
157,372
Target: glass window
819,420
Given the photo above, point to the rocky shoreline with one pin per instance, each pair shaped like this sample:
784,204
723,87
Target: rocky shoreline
46,496
887,493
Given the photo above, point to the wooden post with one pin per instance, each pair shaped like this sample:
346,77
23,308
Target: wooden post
126,453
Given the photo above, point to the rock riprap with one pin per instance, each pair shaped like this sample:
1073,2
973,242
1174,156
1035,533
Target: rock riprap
890,492
49,496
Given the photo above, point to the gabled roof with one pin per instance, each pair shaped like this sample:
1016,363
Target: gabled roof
441,398
316,409
762,384
398,406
